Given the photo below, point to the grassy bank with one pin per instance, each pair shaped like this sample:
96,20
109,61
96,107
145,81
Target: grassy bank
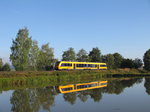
43,81
13,74
20,80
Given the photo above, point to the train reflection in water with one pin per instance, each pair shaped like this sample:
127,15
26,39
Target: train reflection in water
82,86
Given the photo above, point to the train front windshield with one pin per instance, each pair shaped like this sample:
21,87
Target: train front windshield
56,65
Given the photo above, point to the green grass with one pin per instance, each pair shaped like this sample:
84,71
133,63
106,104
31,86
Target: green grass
32,79
42,81
13,74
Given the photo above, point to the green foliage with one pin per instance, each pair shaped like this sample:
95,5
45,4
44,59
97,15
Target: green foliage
20,50
117,86
117,60
26,54
69,55
32,100
95,55
127,63
70,97
75,73
6,67
46,57
1,64
110,60
82,56
147,60
137,63
34,56
147,85
113,61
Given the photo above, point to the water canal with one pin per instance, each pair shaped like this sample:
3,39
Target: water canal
112,95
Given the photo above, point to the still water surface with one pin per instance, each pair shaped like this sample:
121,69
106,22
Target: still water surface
117,95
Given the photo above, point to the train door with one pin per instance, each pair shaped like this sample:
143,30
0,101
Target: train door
74,65
98,66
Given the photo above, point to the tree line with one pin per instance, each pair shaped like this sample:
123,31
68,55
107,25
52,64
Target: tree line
113,61
27,55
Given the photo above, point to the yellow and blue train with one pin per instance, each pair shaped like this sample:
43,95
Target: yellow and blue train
68,65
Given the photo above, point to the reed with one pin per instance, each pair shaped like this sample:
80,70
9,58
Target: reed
13,74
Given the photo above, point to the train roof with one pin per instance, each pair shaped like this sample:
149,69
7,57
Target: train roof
80,62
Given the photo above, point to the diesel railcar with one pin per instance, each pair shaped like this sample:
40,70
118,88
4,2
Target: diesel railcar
68,65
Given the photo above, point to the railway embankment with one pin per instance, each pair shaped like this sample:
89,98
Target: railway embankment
109,73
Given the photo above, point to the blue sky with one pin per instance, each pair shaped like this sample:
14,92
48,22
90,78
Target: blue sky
112,25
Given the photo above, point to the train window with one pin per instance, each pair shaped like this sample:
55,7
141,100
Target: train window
79,65
66,64
95,65
103,84
92,85
86,65
78,87
89,65
102,65
67,89
92,65
63,64
82,86
83,65
69,64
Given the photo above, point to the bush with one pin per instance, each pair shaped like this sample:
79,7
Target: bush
6,67
147,60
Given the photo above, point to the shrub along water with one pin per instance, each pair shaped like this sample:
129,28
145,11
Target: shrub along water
18,80
42,81
73,72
